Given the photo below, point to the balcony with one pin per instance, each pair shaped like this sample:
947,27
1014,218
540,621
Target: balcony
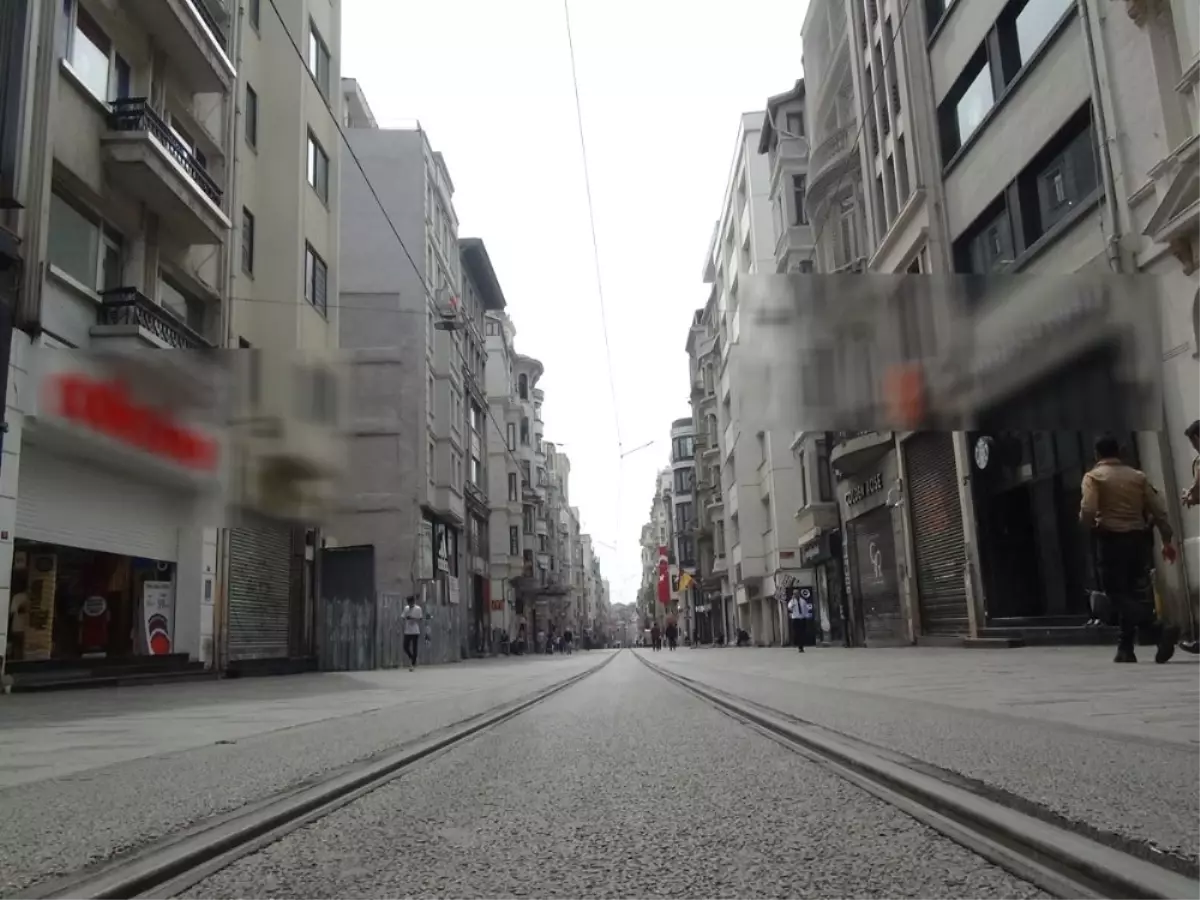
191,39
127,313
829,163
854,451
144,158
476,494
815,518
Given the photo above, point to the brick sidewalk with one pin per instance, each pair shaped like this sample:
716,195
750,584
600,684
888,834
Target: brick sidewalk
1078,686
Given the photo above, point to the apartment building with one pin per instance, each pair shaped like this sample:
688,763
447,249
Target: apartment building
684,520
284,207
552,526
407,339
506,488
481,295
658,559
115,171
784,140
757,467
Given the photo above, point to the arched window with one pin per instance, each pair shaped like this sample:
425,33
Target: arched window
523,387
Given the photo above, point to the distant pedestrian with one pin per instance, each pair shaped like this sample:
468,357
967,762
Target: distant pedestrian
1120,503
672,635
413,615
568,641
655,637
799,615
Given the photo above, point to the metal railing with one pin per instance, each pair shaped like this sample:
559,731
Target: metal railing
135,114
129,306
210,20
824,152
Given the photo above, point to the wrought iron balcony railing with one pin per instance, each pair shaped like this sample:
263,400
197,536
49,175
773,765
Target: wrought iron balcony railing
129,306
136,114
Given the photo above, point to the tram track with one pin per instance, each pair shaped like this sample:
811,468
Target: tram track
1058,860
168,867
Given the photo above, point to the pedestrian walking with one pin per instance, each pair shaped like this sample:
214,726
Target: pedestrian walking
655,637
1120,503
672,635
568,640
799,614
413,615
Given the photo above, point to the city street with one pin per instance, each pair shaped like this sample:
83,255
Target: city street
623,784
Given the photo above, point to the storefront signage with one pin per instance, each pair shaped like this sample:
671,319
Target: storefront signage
158,611
983,452
810,552
108,408
861,491
443,548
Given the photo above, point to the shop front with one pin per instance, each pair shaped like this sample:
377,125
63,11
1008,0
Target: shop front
871,541
111,557
822,556
939,544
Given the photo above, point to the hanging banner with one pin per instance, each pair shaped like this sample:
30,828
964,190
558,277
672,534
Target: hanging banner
664,578
158,613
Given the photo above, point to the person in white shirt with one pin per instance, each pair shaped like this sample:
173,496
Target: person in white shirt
413,615
799,612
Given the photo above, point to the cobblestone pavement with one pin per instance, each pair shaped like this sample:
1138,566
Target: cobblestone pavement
89,774
1114,748
622,786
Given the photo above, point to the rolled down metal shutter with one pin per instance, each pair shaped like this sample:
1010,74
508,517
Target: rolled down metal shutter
938,543
875,573
260,561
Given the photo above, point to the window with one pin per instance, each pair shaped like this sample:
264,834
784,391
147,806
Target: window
523,387
318,59
91,55
824,474
803,480
511,430
178,303
683,516
251,116
683,448
429,394
492,329
988,247
514,541
525,432
316,276
964,109
1062,177
527,519
247,241
432,462
1022,29
799,188
476,419
805,267
513,487
684,480
318,168
794,123
83,248
254,11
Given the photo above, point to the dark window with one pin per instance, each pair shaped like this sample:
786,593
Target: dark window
805,267
513,486
988,246
316,277
318,167
523,387
794,122
318,58
514,541
254,11
525,432
247,241
799,188
1022,29
684,480
122,77
1059,179
683,448
803,480
934,11
683,517
251,116
824,476
965,107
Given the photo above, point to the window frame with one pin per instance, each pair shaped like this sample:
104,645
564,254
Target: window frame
248,241
254,14
104,237
112,88
314,262
317,168
318,53
250,125
799,191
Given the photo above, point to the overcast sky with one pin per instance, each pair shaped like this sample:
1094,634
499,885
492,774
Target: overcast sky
662,83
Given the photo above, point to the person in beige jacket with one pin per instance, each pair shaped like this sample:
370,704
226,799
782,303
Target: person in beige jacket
1120,504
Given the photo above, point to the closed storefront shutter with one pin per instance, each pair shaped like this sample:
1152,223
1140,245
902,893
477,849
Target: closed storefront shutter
875,574
260,563
938,544
69,502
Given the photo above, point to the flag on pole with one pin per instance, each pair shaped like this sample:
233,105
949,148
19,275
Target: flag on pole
685,581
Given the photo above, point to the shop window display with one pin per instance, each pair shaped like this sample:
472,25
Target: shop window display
68,603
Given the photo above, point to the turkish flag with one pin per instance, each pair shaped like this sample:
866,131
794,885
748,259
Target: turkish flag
664,578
